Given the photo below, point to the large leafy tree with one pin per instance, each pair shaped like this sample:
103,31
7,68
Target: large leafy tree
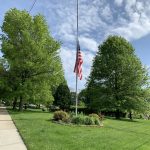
32,55
117,79
62,96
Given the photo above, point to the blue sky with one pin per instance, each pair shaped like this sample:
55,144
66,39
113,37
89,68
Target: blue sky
97,20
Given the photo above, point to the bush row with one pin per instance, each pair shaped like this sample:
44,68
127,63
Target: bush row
85,120
92,119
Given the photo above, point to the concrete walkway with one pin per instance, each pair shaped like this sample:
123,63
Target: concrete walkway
9,136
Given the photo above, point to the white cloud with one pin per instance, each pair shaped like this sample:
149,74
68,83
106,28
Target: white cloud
68,58
133,30
140,6
118,2
88,44
130,3
106,12
138,23
97,19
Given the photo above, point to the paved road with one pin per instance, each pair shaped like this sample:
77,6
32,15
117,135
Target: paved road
9,136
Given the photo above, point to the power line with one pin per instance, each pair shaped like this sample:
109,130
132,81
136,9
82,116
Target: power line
32,6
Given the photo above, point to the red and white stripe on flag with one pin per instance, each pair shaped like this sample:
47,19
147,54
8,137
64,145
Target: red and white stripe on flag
78,64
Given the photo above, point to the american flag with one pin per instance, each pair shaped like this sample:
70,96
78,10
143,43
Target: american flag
78,63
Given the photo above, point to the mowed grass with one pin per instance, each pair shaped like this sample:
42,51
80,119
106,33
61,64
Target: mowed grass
39,133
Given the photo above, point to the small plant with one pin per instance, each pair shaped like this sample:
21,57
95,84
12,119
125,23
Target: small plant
101,117
78,119
92,119
97,121
61,116
94,115
72,113
85,120
89,120
97,118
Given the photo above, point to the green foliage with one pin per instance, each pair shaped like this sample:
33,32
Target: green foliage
89,121
85,120
61,115
32,54
78,120
81,104
94,115
118,79
62,97
82,97
5,89
97,121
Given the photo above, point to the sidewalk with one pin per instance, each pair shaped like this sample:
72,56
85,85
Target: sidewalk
9,136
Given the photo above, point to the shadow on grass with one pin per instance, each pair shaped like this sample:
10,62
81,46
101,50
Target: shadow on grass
127,130
139,146
121,119
26,111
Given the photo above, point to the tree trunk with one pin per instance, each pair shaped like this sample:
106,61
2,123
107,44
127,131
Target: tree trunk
130,116
117,114
25,106
21,104
14,103
38,106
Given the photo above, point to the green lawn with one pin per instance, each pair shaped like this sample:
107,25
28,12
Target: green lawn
41,134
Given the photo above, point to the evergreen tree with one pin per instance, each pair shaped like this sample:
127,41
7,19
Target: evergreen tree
63,97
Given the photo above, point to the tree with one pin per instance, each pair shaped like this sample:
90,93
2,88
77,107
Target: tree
82,97
73,97
117,79
32,55
3,82
63,96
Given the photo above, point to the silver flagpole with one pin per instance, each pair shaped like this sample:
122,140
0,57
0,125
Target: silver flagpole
76,72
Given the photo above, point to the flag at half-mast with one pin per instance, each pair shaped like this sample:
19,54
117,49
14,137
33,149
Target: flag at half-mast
79,61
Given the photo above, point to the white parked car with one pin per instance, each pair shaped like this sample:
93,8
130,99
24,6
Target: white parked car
32,106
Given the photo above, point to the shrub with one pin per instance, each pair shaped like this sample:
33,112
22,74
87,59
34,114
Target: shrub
85,120
97,118
94,116
61,115
89,121
72,113
62,97
78,120
43,109
101,117
97,121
